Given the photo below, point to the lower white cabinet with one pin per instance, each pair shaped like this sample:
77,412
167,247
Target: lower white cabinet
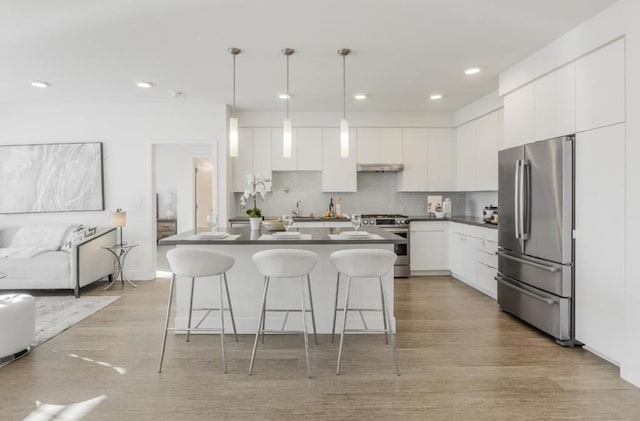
472,257
429,246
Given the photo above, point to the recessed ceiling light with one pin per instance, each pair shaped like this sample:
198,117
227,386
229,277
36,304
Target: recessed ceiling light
144,84
360,97
472,70
435,97
40,84
284,96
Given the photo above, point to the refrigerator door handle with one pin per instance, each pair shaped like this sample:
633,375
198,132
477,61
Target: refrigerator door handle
546,300
516,197
525,198
552,269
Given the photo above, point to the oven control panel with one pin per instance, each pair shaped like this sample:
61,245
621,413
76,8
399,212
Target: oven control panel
386,221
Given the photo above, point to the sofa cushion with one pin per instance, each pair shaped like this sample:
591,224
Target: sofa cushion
50,269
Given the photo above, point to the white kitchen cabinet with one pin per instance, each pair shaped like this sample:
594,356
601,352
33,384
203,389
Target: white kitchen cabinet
306,150
477,144
309,142
518,117
254,152
466,156
338,174
555,103
379,145
441,160
600,87
472,256
429,246
487,139
414,158
600,240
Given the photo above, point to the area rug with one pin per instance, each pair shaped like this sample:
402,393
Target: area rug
54,315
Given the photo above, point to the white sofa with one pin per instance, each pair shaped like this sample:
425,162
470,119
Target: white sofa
84,263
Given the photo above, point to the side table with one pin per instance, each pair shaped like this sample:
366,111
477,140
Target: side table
120,252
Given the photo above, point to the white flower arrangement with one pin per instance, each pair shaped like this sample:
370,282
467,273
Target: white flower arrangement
257,186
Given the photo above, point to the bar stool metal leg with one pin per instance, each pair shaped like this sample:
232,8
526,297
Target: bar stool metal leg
384,319
224,360
388,318
193,280
335,308
304,327
313,316
344,322
166,322
233,320
262,311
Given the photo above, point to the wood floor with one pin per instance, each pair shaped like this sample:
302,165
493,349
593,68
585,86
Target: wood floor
460,357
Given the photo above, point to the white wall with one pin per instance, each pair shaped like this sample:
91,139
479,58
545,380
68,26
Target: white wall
127,132
482,106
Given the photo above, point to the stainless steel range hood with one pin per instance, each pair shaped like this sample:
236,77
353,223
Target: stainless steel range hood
380,167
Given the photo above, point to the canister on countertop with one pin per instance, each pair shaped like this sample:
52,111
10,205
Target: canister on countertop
447,208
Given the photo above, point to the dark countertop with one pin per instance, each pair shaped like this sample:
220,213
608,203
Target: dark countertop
318,236
237,219
462,219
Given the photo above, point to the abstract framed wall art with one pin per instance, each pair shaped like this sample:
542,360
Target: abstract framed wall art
53,177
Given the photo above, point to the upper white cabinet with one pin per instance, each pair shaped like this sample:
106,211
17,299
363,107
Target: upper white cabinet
254,153
441,160
599,244
555,103
414,158
306,150
379,145
477,153
518,117
338,174
600,87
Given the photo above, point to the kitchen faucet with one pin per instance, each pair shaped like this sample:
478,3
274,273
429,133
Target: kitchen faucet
296,211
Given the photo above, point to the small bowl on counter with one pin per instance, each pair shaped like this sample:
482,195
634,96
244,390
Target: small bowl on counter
439,215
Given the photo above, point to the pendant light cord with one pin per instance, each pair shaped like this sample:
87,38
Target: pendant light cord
344,88
234,86
288,86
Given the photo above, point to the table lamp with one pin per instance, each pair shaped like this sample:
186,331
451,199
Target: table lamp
119,219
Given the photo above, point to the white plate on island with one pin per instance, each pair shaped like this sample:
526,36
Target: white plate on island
213,235
284,235
355,234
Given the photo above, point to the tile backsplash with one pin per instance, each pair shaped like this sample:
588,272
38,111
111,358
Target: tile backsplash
377,192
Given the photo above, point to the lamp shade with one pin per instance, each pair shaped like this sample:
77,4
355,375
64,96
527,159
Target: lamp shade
233,136
344,138
119,218
286,139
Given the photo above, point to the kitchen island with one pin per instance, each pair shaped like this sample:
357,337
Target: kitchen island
246,283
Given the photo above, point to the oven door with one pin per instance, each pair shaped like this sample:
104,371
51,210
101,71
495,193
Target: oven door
401,250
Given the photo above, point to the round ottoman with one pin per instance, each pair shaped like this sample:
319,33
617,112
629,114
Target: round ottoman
17,324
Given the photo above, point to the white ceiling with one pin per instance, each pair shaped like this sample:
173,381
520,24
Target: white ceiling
92,51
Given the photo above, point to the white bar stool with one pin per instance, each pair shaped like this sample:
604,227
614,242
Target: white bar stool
194,263
363,263
285,263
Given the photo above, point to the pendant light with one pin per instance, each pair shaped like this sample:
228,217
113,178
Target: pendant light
233,121
344,124
286,132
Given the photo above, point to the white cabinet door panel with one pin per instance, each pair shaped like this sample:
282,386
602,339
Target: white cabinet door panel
600,239
368,146
243,163
518,117
555,103
262,152
390,146
278,162
414,157
338,174
308,143
487,138
466,157
441,158
600,87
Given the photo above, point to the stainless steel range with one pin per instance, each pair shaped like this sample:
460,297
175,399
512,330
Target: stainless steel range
399,225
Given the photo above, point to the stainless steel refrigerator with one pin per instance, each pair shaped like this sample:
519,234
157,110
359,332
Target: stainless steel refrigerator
535,236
